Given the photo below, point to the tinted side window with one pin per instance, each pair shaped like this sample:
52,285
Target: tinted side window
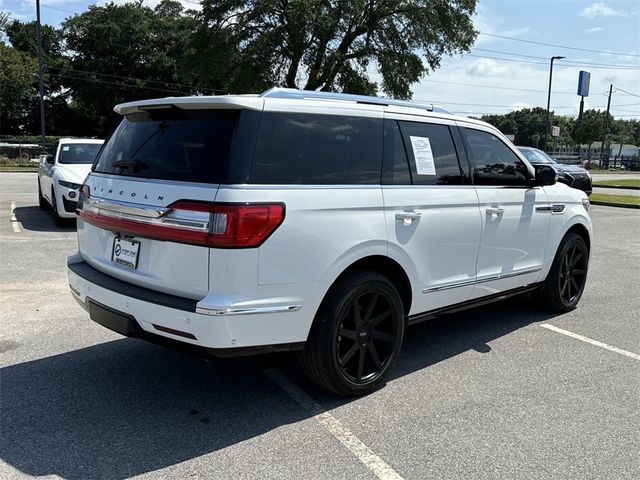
432,154
492,161
396,166
300,148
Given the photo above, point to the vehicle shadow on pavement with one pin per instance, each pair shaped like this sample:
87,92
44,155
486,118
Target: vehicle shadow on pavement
446,336
34,219
126,407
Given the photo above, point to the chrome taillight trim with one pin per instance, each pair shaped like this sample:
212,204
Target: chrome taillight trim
126,208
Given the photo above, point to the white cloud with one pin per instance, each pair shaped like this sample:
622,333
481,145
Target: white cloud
506,86
520,105
594,30
486,68
600,10
516,32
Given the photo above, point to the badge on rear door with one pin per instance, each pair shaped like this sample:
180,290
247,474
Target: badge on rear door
125,252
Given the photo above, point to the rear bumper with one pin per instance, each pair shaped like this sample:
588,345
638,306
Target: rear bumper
224,330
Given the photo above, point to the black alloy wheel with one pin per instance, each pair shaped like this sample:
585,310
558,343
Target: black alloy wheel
366,336
573,274
356,335
566,280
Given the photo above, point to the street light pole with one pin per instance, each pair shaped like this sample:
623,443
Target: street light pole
40,80
546,121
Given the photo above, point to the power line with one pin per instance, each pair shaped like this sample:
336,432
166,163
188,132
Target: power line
123,85
618,89
445,102
561,64
558,46
192,87
494,87
626,111
586,64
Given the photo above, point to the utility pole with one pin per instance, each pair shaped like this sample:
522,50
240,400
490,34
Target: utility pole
40,79
605,129
546,121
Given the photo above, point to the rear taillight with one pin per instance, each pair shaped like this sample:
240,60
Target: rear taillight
219,225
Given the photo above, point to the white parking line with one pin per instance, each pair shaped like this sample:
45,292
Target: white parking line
611,348
345,436
15,224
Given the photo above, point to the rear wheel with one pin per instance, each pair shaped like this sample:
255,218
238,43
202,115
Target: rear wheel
568,275
58,220
356,336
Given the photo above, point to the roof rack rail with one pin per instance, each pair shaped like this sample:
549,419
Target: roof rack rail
293,93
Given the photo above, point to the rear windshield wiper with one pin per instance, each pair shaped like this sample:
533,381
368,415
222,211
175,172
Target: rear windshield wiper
128,163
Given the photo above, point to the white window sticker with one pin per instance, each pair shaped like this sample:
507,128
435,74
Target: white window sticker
65,149
423,155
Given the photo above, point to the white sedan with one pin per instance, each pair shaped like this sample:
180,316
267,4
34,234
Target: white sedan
61,175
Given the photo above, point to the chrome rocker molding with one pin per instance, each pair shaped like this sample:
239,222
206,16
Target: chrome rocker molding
466,283
248,310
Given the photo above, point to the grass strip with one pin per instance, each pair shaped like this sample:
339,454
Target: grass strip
618,199
623,182
18,168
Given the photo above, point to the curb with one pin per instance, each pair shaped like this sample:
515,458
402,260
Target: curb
610,204
624,187
19,170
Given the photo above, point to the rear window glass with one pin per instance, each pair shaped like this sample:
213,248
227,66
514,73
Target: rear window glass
78,152
171,144
317,149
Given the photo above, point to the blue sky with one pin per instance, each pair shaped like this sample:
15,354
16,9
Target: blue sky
503,74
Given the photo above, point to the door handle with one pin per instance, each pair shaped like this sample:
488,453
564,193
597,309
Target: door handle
495,210
408,216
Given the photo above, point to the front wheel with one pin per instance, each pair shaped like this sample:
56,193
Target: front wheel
42,203
356,335
568,275
57,219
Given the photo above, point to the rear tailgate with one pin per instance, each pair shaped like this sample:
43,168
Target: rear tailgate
144,212
167,266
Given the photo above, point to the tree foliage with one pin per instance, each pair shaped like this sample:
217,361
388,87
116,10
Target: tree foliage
17,72
123,52
336,45
117,52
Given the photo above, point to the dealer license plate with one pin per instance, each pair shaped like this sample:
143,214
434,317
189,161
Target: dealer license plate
125,252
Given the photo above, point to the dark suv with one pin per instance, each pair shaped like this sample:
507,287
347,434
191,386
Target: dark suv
572,175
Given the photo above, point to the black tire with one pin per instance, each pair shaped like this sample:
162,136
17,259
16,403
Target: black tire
356,335
42,203
57,219
568,275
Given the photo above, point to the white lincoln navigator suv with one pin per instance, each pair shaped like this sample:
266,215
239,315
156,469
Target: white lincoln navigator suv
318,222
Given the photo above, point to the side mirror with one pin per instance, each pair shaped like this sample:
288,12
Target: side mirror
49,159
546,175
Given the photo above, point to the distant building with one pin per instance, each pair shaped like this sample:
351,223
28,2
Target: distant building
627,150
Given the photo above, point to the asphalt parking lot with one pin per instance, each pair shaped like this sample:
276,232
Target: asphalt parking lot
489,393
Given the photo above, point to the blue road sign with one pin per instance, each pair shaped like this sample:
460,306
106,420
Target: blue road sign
584,79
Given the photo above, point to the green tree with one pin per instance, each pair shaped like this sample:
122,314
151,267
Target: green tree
526,124
336,44
589,129
17,71
124,52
